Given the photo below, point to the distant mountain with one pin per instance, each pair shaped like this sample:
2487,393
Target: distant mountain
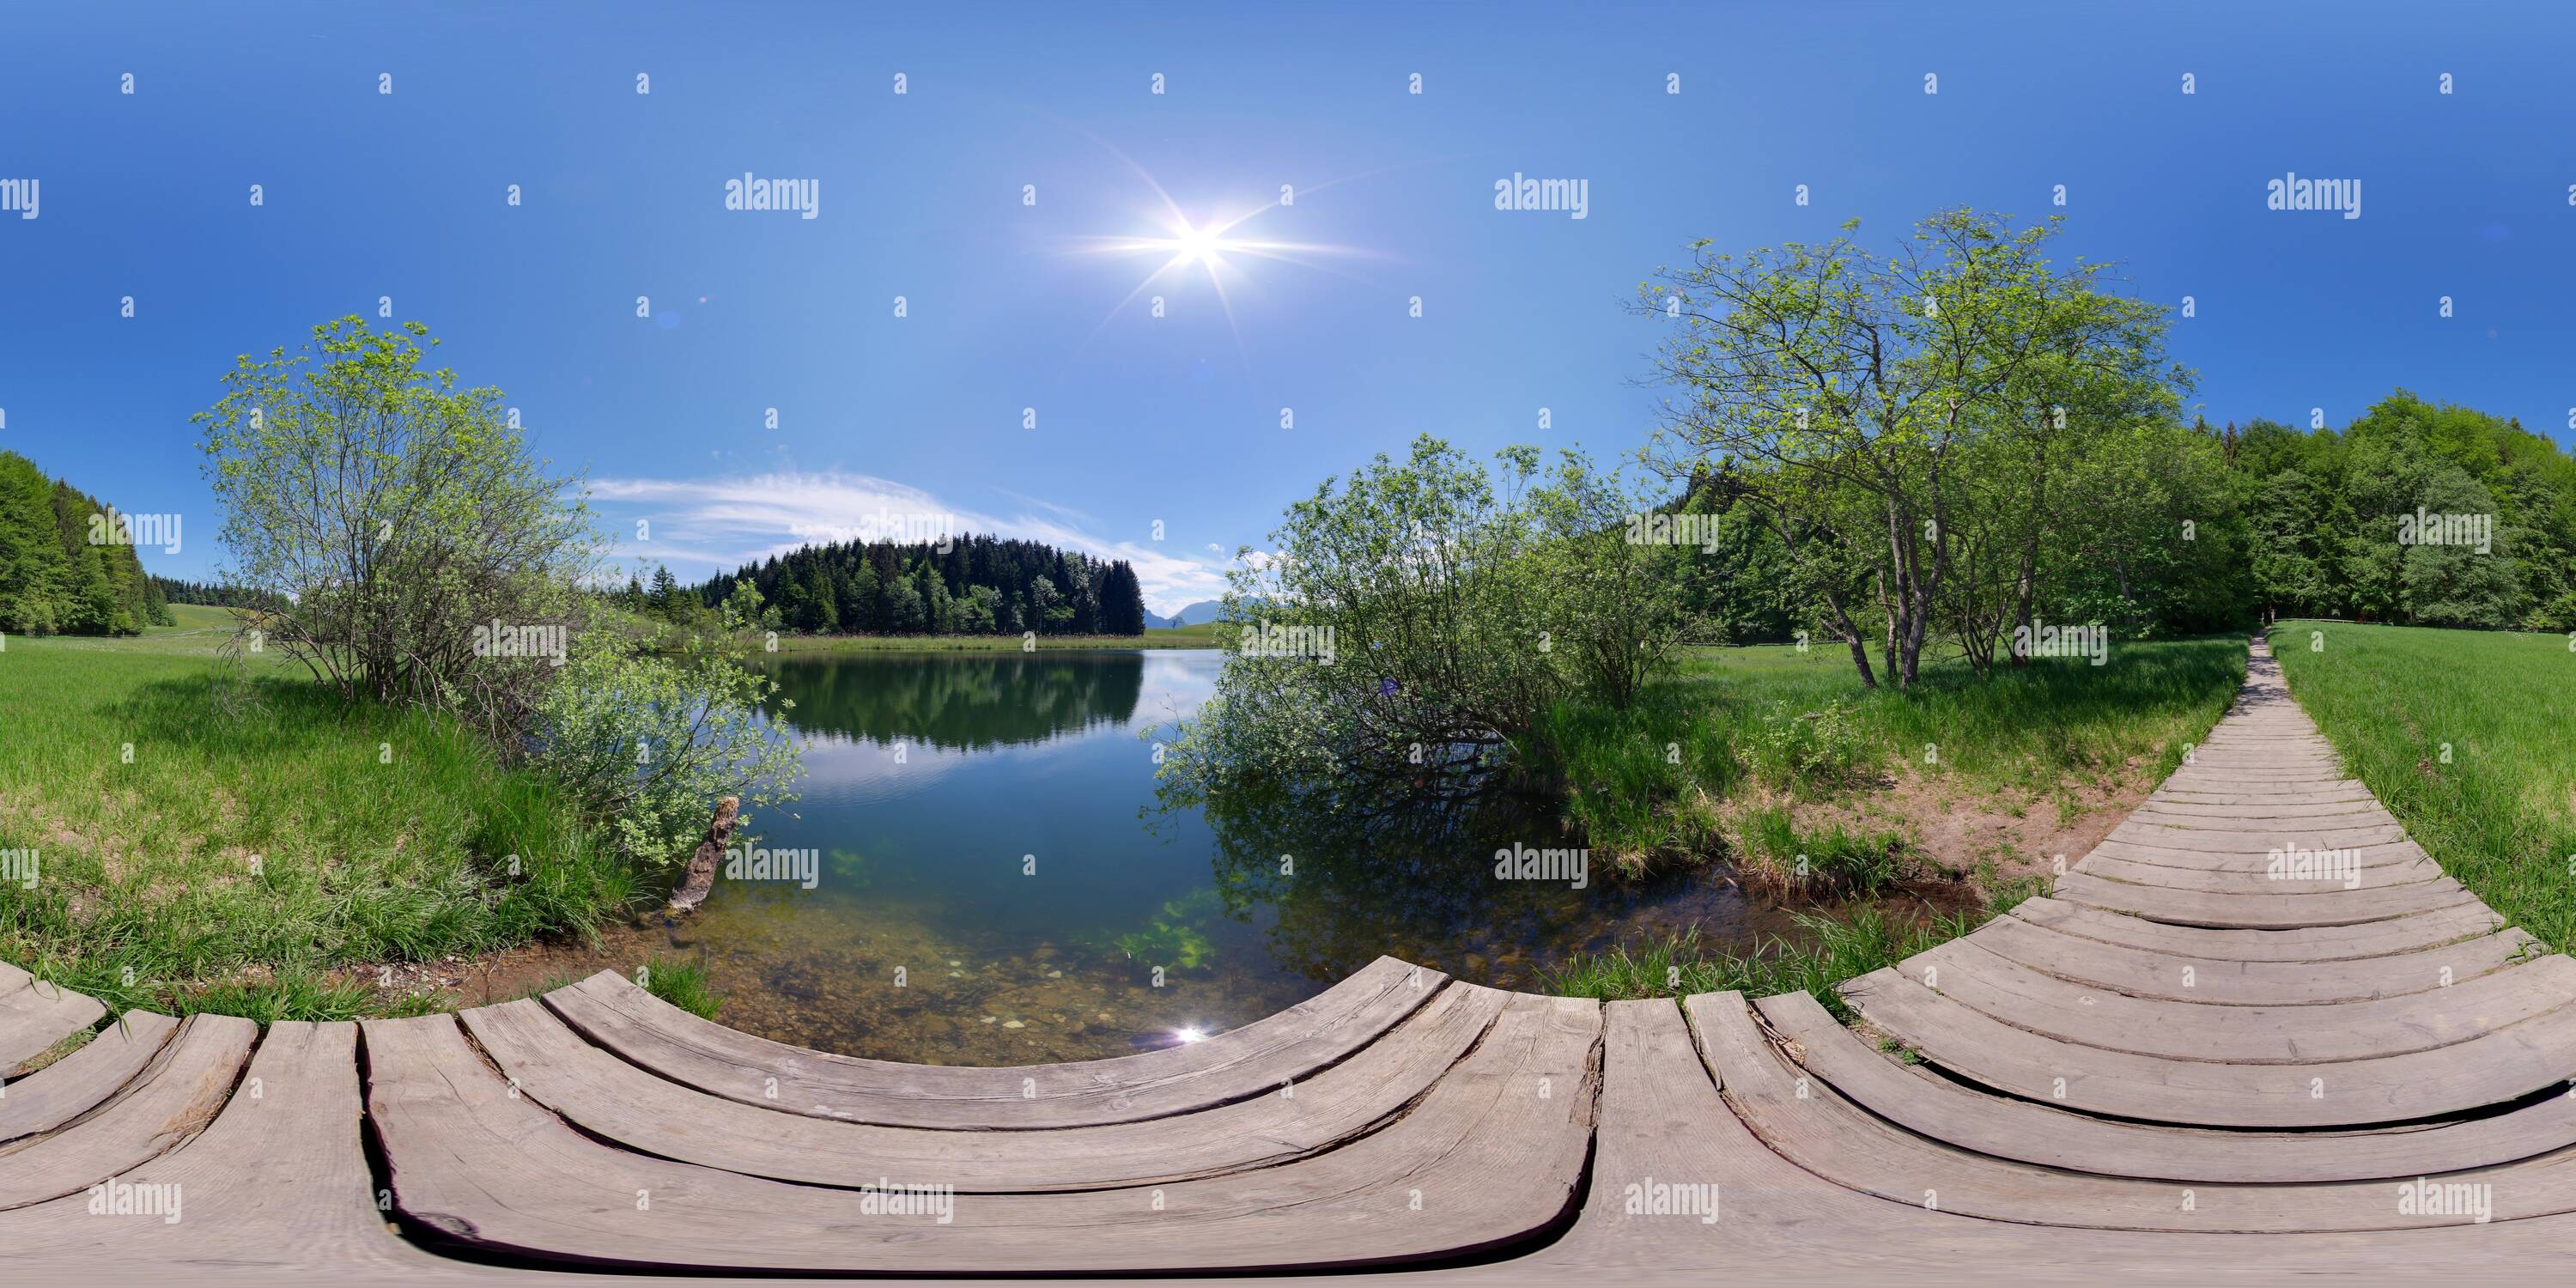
1157,622
1203,611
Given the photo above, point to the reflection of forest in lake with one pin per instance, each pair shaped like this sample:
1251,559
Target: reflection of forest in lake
989,826
961,702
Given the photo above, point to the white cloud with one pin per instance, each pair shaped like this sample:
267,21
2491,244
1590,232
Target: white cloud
714,525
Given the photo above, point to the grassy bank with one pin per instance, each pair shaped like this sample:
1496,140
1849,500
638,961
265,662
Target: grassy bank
1779,764
254,856
2464,735
1760,755
1829,952
1201,636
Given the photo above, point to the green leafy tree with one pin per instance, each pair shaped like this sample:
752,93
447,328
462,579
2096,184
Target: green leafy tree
1898,416
392,511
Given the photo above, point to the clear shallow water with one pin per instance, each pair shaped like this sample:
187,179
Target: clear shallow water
996,884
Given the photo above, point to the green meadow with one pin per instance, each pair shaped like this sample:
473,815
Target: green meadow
213,838
2466,737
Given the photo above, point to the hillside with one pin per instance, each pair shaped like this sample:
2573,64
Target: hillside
67,560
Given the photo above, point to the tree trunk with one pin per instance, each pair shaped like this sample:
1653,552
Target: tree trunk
700,880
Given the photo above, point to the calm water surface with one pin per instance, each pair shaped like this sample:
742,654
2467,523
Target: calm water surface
988,835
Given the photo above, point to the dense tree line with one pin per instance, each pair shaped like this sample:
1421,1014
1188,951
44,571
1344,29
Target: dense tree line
1959,446
212,594
66,565
974,586
2177,530
2367,522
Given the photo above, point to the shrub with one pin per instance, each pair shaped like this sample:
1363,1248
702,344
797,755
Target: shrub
654,737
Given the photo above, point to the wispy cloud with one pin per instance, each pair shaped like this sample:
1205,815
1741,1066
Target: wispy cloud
702,526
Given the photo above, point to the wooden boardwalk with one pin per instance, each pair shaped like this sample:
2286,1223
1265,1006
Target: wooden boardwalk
2255,1032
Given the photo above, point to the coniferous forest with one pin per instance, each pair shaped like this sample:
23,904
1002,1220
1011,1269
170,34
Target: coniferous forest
976,585
54,579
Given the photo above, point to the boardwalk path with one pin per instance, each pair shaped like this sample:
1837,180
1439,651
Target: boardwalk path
2256,1030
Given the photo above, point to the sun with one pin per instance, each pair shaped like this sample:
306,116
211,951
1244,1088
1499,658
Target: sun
1195,244
1179,242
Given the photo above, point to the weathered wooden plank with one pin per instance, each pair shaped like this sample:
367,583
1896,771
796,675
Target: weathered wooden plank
1966,973
2327,908
2261,811
1940,1109
277,1186
2237,840
172,1101
2305,944
2264,822
2218,981
37,1015
77,1083
616,1101
1245,1062
1492,1154
2228,798
2490,1069
1665,1128
2400,854
1807,1120
2237,876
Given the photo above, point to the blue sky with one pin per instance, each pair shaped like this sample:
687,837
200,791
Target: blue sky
1015,306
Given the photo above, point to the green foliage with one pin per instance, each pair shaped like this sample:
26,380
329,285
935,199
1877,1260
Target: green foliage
1824,952
682,983
2322,514
67,560
653,731
972,585
1419,620
392,513
1911,426
1828,861
1174,940
1818,749
268,844
1661,779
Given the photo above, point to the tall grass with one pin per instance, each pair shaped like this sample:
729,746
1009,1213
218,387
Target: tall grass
1837,950
1661,779
2466,737
197,853
683,984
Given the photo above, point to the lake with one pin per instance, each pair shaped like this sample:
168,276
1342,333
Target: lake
995,883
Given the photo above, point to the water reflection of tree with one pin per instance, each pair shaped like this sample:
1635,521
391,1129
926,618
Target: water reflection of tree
1417,883
967,702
